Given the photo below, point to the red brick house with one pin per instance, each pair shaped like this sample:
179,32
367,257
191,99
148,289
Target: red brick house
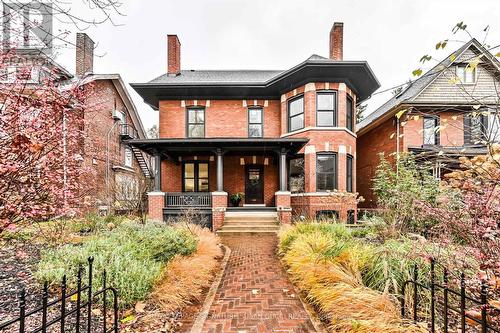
116,170
285,139
450,111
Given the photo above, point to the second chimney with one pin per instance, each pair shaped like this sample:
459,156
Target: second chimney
84,54
174,55
337,41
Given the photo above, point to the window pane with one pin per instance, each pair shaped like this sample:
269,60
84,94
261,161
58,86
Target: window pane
469,76
196,116
429,131
296,106
189,170
255,116
297,122
203,185
349,113
326,163
461,73
325,181
296,179
325,118
188,185
494,127
255,131
203,170
325,101
476,129
196,131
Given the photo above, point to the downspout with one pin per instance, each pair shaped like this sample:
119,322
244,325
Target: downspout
107,162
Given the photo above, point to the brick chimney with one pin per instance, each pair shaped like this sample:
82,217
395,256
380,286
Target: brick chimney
84,54
174,55
337,41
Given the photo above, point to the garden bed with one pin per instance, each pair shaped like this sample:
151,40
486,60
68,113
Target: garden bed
161,272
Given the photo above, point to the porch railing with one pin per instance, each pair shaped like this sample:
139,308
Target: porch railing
188,199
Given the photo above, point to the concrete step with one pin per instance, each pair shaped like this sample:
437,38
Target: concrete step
246,222
253,227
248,231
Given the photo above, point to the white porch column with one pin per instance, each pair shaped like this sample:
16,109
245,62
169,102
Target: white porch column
282,170
157,184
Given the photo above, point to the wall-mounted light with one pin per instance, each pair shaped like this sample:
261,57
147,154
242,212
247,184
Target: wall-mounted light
212,159
254,159
242,161
266,161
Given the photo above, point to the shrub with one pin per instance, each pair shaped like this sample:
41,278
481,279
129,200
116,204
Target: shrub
133,256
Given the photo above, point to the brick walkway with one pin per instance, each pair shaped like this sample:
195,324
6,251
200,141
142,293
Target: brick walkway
255,294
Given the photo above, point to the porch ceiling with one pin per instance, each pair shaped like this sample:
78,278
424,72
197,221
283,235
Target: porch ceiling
189,145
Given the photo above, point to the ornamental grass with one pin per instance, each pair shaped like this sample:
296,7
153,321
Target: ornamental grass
326,263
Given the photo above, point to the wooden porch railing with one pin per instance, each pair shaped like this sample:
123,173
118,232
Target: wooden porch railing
188,199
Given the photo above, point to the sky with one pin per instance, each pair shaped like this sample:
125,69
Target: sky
278,34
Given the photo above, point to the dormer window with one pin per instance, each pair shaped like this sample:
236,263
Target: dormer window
465,74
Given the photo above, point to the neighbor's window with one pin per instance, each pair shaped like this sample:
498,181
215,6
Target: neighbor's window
349,167
465,74
296,176
255,123
326,172
195,177
296,114
494,126
431,136
326,107
128,157
475,128
350,114
196,123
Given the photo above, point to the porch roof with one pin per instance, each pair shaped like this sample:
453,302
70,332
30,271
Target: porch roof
187,145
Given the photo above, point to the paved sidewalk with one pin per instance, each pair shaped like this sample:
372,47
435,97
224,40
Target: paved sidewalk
255,294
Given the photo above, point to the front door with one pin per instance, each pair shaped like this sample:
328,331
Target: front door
254,184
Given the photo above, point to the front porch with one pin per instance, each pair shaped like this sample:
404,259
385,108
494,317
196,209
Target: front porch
203,174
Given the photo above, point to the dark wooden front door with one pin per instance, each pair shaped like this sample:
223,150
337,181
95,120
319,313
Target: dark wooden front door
254,184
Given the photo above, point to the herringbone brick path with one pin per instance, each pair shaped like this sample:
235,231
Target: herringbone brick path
255,294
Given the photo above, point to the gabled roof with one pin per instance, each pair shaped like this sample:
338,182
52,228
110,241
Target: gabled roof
120,86
235,84
418,85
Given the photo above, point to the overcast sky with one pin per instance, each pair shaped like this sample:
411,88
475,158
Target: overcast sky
270,34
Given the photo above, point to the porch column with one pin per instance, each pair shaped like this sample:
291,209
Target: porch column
220,171
282,170
157,185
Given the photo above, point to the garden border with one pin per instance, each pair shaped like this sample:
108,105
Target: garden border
209,299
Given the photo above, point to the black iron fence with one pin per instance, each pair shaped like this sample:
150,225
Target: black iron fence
63,318
447,308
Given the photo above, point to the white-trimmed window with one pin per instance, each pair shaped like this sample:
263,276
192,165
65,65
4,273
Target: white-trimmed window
465,75
128,157
431,136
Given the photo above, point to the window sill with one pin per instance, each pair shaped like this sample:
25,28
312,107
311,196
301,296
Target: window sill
123,168
318,128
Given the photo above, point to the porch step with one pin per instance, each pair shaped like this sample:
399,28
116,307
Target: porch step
250,222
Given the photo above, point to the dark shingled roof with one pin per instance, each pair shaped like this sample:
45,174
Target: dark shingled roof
417,86
215,76
268,84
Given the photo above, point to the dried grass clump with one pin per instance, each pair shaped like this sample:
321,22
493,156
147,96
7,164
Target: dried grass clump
327,268
184,278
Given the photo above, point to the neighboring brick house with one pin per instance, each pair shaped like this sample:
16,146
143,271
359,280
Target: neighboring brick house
286,139
120,172
117,172
450,111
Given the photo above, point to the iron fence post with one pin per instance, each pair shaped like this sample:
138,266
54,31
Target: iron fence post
104,305
63,303
89,305
433,295
45,298
462,301
22,310
445,301
78,297
415,291
484,306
